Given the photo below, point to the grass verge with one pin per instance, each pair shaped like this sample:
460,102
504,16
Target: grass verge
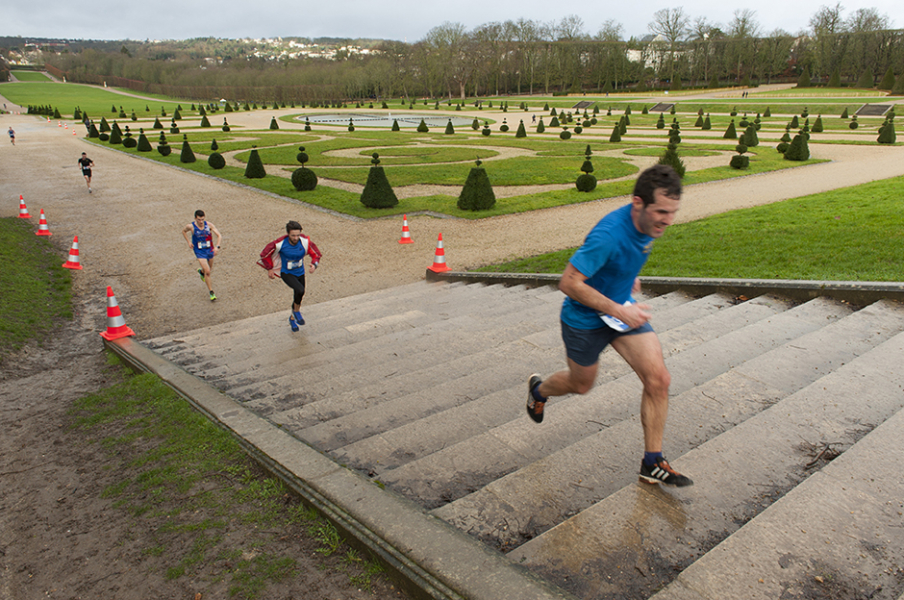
211,514
28,303
851,234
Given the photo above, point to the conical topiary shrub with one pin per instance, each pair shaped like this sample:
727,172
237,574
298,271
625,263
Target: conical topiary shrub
204,121
750,138
157,124
699,121
475,124
616,134
377,191
187,155
799,149
104,126
521,133
887,133
92,131
143,144
817,125
660,123
395,125
730,133
273,123
450,130
255,167
115,134
421,128
707,124
216,161
554,122
477,193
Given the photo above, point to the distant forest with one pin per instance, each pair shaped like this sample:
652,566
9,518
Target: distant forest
513,57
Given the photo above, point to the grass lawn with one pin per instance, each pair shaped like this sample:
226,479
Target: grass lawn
848,234
29,304
31,76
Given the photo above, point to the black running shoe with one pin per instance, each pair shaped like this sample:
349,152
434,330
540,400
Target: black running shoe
534,406
661,472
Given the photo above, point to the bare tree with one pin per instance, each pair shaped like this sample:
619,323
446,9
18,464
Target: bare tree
827,24
673,25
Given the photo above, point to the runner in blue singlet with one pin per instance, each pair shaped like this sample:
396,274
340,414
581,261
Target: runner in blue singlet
201,243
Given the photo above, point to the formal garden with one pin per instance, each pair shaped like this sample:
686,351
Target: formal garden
532,151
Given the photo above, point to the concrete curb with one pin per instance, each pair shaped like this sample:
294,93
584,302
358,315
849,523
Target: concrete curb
859,293
429,557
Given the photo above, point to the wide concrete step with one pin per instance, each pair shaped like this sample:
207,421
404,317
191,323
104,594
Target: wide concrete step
506,512
421,438
455,470
630,542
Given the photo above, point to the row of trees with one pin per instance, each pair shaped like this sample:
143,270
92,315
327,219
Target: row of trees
526,57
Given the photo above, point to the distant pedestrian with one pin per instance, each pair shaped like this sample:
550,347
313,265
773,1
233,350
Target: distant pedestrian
86,163
12,136
201,242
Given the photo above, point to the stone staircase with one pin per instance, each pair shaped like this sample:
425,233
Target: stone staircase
787,416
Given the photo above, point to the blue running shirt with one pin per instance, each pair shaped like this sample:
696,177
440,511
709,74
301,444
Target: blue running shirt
612,255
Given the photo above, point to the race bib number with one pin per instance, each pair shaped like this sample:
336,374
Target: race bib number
292,265
616,324
202,245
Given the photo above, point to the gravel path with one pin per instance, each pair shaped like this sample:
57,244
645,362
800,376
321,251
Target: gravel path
129,228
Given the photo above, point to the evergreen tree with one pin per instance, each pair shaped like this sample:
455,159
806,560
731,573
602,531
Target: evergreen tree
767,112
450,130
707,124
115,134
888,80
540,126
522,132
623,125
835,79
898,90
255,167
204,121
187,155
477,193
616,134
866,80
645,110
554,122
273,124
104,126
475,124
157,124
378,193
177,116
804,80
844,113
395,125
421,128
699,121
671,158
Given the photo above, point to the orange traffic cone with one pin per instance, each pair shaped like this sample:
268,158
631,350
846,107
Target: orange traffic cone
406,235
73,261
59,123
66,126
42,226
439,259
116,325
23,210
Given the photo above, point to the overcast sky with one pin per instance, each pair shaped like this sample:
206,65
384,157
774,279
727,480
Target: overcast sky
405,20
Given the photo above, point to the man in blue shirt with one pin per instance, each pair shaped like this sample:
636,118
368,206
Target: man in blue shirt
599,310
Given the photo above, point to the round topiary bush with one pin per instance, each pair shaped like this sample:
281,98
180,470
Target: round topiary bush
103,137
130,142
586,182
304,179
216,161
164,149
739,161
578,129
486,131
853,124
565,134
783,147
